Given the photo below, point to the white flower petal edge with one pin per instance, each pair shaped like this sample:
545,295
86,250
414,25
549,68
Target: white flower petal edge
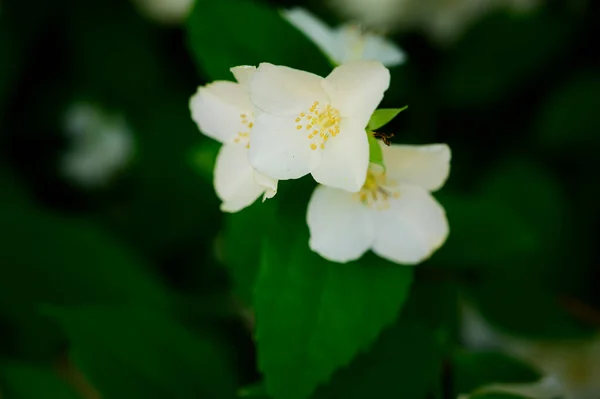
223,111
234,179
340,228
313,28
302,115
345,43
411,229
427,166
405,224
217,109
340,171
356,88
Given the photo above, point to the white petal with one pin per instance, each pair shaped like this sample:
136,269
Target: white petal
411,229
269,184
383,50
234,178
243,74
356,88
340,227
315,29
217,108
345,159
280,90
427,166
280,151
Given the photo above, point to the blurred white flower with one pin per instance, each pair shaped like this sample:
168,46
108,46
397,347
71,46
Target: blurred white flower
101,145
546,388
394,213
169,12
309,124
571,368
223,111
442,20
347,42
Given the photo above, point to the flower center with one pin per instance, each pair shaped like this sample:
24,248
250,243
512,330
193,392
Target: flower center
243,136
377,190
320,123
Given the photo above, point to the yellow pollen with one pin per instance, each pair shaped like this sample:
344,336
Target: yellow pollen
377,190
321,121
250,125
313,146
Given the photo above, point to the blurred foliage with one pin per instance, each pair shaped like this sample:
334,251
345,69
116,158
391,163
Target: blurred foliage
146,287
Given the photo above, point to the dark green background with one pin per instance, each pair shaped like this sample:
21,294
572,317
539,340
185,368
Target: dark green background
127,281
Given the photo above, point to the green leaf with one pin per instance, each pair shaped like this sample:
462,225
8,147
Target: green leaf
531,310
473,370
569,118
20,381
405,362
243,235
314,316
73,261
138,352
382,117
375,153
227,33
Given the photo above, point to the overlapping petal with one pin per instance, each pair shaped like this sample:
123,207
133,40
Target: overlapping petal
345,158
427,166
217,108
413,227
357,88
340,227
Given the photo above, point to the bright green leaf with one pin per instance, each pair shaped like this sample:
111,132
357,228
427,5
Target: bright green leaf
382,117
227,33
314,316
20,381
375,153
473,370
138,352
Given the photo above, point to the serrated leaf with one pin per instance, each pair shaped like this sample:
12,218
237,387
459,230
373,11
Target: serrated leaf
227,33
314,316
382,117
138,352
473,370
375,153
21,381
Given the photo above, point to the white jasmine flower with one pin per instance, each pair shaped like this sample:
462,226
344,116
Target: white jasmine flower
309,124
223,111
382,14
167,12
101,145
347,42
444,21
394,213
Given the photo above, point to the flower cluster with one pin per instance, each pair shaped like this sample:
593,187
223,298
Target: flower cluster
279,123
